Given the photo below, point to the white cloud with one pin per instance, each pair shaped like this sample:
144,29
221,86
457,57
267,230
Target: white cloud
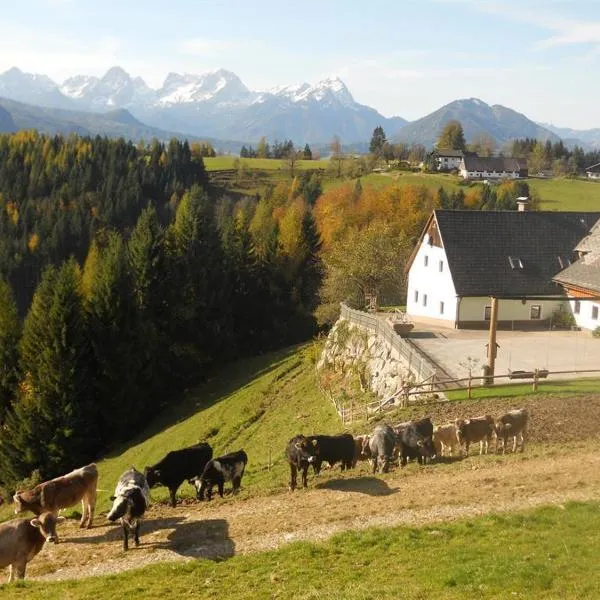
206,46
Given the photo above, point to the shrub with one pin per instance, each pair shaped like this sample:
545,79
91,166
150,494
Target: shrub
596,332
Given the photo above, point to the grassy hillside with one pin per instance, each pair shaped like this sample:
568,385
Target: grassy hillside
256,404
567,194
547,553
225,163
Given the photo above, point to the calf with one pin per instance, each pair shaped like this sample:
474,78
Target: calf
22,539
445,437
414,445
330,448
381,445
297,460
178,466
478,429
361,449
424,428
131,499
63,492
513,424
229,467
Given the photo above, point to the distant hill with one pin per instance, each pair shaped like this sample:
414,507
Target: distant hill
476,117
586,138
115,123
215,104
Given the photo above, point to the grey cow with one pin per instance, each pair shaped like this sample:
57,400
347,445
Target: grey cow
22,539
381,445
513,424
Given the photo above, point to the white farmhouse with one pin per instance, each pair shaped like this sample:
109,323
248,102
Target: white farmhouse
463,258
494,167
593,171
448,159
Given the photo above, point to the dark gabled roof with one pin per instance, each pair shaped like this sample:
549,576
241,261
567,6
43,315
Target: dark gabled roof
481,245
498,164
449,152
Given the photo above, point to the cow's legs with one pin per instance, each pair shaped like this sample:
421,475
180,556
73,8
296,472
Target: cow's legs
125,536
91,507
220,485
172,492
523,436
237,482
304,476
293,477
84,513
374,465
136,534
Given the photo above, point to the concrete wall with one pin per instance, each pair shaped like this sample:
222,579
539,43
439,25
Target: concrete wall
585,315
489,174
472,312
430,284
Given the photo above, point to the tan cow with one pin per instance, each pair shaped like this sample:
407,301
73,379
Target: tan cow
62,492
478,429
361,449
513,424
22,539
445,437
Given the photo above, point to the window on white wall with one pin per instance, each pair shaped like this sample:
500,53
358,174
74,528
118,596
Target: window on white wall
441,308
577,307
536,311
441,265
487,313
416,295
426,260
594,312
424,299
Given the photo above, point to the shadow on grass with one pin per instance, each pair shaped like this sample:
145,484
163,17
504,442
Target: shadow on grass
372,486
208,538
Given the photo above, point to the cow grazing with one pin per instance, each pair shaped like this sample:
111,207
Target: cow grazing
178,466
414,445
62,492
22,539
424,428
361,449
478,429
131,499
445,437
513,424
229,467
297,460
381,445
330,448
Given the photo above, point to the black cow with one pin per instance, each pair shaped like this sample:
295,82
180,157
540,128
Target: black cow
414,445
381,445
178,466
229,467
330,448
297,460
425,430
132,497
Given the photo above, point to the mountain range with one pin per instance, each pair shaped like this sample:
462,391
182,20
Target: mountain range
217,106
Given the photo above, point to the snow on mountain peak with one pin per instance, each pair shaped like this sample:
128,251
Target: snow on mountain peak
330,90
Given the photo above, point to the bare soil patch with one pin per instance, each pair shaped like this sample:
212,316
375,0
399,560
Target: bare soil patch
562,463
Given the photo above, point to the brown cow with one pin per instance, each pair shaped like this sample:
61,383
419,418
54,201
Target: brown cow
478,429
22,539
62,492
513,424
361,449
444,437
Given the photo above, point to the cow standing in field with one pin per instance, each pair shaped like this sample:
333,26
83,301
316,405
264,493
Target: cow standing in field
478,429
361,449
229,467
330,448
22,539
424,428
513,424
62,492
414,446
178,466
131,499
381,445
445,437
297,460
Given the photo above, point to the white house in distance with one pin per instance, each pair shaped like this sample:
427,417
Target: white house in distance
581,281
493,167
463,258
448,159
593,171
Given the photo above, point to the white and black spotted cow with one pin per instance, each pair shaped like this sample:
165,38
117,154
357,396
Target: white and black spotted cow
132,497
229,467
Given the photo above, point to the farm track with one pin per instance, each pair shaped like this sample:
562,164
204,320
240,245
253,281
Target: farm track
333,503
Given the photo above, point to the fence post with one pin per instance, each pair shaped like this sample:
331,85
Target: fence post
470,384
535,380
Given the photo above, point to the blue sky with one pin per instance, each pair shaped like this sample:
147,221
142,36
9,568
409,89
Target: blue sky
403,57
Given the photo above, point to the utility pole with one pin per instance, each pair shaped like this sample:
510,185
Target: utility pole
492,346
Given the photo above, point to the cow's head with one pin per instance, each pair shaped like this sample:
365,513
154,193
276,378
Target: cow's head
461,428
152,476
46,524
200,486
18,503
365,449
309,448
426,447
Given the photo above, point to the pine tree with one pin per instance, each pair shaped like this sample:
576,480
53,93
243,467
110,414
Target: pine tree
10,331
307,153
378,142
452,136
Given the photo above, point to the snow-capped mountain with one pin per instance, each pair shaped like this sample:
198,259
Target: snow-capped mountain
215,104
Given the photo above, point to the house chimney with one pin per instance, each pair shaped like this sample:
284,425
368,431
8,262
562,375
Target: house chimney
522,203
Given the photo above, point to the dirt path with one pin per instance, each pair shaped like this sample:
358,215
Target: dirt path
413,496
